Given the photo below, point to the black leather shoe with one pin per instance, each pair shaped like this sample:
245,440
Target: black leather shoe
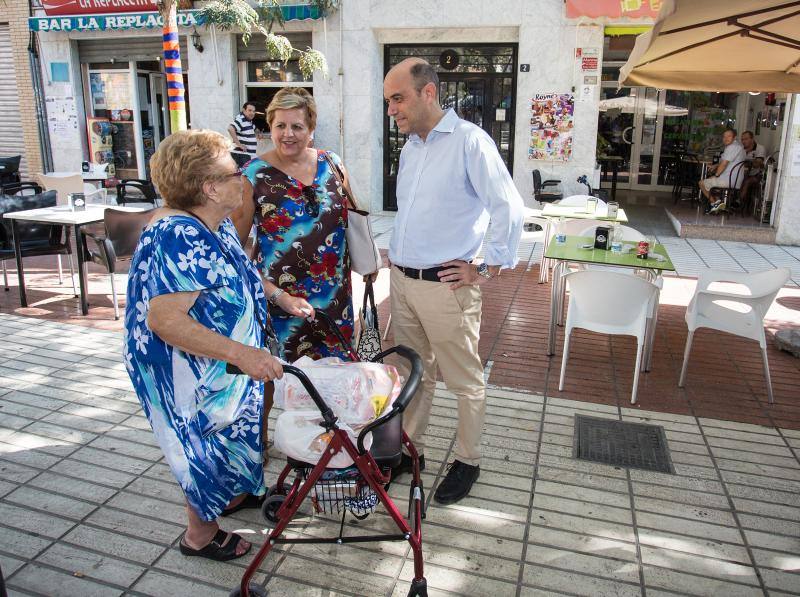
458,482
407,466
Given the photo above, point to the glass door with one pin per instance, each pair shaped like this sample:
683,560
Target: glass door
631,137
647,127
158,107
466,96
615,135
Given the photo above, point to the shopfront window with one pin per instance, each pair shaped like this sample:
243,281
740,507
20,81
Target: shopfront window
643,132
261,78
274,71
112,103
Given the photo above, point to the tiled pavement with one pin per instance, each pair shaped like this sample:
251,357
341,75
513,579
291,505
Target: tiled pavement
88,506
725,376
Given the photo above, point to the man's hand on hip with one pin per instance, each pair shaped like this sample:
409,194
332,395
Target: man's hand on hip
460,273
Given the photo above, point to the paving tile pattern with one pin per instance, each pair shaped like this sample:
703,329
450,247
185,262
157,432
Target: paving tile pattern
88,506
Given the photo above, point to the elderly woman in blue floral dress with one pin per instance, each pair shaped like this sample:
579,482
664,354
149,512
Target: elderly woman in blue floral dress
195,303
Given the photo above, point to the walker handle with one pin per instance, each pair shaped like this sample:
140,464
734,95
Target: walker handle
414,377
406,394
327,414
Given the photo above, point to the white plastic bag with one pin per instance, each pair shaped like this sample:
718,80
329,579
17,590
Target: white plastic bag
358,393
299,435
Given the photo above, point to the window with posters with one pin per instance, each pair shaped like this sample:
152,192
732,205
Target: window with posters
111,98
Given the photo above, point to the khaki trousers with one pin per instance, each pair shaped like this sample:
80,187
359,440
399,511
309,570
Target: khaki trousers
443,326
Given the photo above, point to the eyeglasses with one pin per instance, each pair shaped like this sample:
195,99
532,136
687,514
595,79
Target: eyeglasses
238,173
310,195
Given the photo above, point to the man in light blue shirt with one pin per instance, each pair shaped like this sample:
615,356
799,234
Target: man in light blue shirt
452,187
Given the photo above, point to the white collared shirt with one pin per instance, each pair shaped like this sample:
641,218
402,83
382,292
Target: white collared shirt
451,189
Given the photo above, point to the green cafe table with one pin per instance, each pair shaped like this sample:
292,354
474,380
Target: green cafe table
553,211
572,251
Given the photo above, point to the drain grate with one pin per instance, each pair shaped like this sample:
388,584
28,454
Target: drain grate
619,443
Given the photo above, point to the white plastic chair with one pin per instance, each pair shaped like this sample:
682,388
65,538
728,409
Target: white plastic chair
632,235
609,303
64,185
723,311
573,228
579,201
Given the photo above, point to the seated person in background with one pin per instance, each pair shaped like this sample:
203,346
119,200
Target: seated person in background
732,154
756,155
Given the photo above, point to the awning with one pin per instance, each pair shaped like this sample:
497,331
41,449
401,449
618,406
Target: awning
719,45
148,20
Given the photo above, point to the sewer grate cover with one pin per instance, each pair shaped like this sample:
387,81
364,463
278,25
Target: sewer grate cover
619,443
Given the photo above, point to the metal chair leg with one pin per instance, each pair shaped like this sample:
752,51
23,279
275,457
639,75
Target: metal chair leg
686,352
114,296
766,372
651,339
564,359
639,350
60,271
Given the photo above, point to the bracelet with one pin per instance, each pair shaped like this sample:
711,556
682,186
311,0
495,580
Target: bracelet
276,294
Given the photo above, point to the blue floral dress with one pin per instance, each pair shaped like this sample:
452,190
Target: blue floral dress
208,423
302,249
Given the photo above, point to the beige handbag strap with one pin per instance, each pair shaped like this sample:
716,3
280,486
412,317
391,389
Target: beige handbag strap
345,187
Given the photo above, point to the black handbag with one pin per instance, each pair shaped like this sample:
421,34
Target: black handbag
369,339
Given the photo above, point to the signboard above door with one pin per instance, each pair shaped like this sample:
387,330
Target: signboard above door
614,9
86,7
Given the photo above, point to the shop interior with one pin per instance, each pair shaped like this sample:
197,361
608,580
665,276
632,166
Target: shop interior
654,141
128,114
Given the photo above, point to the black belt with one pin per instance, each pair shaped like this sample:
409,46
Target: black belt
429,274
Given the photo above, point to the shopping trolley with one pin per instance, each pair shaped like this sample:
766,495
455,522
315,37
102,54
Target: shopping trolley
357,489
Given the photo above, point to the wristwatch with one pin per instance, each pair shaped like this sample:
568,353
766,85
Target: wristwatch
483,270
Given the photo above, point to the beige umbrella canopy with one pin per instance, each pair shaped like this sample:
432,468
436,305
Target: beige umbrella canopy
719,45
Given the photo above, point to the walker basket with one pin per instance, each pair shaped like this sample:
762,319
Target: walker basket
342,489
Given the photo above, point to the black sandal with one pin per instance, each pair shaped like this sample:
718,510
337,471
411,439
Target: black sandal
251,501
217,549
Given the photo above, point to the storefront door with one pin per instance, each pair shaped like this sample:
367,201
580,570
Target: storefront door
630,137
477,82
158,106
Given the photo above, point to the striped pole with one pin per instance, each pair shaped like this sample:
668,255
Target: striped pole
172,67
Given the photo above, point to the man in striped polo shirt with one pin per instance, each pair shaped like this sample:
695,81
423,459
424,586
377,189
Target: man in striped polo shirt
242,130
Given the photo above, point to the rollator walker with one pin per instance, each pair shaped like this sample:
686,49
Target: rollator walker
356,489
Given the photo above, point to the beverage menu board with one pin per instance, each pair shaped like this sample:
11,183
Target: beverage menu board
100,142
125,150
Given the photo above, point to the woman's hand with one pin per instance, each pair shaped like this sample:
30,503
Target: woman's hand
258,364
295,305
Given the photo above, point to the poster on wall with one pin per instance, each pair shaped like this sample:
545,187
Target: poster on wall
551,126
62,118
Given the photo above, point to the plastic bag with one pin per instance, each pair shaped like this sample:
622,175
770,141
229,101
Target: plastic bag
358,393
299,435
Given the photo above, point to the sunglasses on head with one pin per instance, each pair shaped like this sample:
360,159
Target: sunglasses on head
312,205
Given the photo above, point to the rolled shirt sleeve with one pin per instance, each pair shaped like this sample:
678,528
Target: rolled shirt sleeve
494,187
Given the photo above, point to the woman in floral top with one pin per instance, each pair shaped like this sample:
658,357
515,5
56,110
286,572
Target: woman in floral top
195,302
295,200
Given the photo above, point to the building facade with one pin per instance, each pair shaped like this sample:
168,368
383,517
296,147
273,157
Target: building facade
18,118
539,77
